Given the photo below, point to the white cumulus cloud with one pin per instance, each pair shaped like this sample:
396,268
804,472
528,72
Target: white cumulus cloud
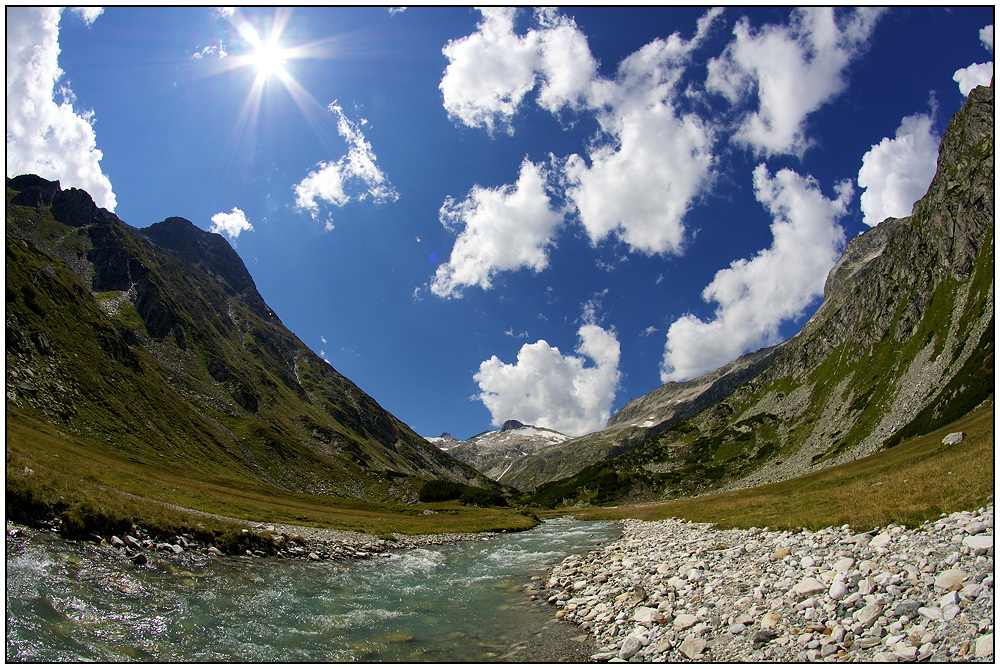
643,171
491,71
792,70
89,14
652,161
755,296
977,74
354,176
895,173
45,134
640,187
230,224
502,229
547,388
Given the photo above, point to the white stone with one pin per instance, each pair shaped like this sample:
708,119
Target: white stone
975,527
693,647
904,652
978,541
984,646
930,612
809,586
953,438
645,614
868,614
630,647
838,590
684,621
843,565
950,579
880,540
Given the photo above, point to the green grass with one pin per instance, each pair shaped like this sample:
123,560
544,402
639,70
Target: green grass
97,488
914,481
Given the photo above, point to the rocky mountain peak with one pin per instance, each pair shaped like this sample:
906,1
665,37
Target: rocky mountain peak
211,253
511,425
73,206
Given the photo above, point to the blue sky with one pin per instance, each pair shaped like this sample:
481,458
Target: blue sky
484,215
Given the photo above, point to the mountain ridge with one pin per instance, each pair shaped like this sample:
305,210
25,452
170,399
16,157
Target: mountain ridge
492,452
156,340
903,339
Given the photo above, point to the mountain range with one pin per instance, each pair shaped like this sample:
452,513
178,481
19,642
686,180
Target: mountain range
495,451
156,342
902,344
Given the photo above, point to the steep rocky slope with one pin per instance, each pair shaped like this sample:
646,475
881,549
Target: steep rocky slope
641,419
157,342
902,343
493,452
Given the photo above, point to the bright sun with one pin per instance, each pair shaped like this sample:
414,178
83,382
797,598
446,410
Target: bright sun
268,58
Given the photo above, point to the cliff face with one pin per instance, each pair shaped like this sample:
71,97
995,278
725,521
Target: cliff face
156,341
902,344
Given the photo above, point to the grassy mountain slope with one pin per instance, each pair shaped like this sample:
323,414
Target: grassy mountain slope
156,344
902,345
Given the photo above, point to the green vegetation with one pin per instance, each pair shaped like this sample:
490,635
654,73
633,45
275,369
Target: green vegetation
92,488
917,480
443,491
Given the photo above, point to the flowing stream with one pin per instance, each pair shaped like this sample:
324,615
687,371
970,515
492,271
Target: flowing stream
460,602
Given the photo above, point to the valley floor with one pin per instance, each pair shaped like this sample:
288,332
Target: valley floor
675,591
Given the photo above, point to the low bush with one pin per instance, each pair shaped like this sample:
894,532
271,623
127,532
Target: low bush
443,491
439,491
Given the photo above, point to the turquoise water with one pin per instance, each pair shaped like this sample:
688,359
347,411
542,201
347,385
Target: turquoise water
458,602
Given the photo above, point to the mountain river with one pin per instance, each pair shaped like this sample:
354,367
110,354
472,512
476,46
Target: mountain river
460,602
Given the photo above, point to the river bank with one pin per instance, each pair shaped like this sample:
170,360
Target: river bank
674,591
259,540
446,601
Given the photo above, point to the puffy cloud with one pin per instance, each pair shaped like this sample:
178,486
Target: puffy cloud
755,296
986,37
793,69
977,74
502,229
895,173
45,135
641,182
640,177
549,389
490,71
89,14
641,187
354,176
231,224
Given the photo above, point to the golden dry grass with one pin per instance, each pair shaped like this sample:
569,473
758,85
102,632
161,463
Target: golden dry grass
55,471
912,482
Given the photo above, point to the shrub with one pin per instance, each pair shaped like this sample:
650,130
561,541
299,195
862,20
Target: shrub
440,491
481,497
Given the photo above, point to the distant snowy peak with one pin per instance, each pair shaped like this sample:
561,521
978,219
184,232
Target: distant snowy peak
488,450
445,442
